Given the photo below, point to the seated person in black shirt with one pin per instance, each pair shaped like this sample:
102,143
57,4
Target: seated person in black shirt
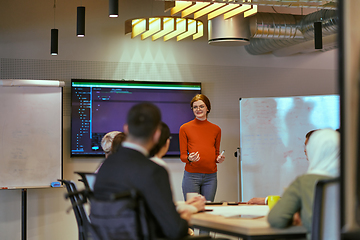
130,168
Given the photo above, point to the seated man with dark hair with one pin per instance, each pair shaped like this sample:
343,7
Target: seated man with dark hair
130,168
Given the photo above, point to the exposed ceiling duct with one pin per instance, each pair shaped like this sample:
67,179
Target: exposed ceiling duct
271,32
281,34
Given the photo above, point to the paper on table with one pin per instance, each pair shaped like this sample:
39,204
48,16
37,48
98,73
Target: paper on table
230,211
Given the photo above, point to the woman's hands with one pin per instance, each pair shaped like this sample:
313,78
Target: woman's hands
220,158
297,219
194,157
193,205
198,202
185,214
258,201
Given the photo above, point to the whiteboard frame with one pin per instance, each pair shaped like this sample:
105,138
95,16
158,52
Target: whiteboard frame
11,83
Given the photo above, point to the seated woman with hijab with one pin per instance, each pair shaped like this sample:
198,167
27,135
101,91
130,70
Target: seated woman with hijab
323,155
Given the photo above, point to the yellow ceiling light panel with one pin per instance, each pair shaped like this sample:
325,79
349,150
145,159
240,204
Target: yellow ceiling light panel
237,11
251,12
180,6
181,26
169,25
138,27
164,27
194,8
155,25
222,10
200,30
191,30
212,7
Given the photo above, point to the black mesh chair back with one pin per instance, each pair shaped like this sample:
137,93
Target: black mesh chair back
71,187
78,199
88,178
125,217
122,216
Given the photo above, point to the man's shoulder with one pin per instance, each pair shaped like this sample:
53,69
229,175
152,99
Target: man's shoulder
125,159
129,165
133,157
125,152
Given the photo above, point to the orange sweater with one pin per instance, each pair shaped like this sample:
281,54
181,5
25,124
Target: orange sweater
203,137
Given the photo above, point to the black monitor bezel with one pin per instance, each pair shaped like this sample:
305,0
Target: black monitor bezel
94,81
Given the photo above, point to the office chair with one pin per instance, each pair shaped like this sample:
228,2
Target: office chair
125,216
78,199
121,216
326,210
126,209
88,178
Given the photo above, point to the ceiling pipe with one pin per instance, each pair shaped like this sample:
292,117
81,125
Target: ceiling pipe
329,43
271,32
275,26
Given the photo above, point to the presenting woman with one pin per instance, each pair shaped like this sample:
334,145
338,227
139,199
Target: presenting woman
199,149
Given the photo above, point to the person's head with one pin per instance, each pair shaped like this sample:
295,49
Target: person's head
142,125
164,141
307,136
201,106
323,150
116,143
106,142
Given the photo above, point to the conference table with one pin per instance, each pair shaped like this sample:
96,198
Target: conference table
244,221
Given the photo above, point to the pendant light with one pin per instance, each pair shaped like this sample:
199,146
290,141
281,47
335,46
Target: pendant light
113,8
318,35
54,37
80,24
54,41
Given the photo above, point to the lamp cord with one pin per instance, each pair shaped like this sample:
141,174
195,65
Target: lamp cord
54,12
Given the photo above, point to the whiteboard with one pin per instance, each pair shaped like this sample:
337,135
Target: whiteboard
31,136
272,136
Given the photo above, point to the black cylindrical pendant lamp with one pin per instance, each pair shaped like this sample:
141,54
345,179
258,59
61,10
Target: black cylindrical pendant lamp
113,8
54,41
80,25
318,35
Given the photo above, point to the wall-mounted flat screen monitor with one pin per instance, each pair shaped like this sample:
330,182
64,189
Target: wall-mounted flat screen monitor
101,106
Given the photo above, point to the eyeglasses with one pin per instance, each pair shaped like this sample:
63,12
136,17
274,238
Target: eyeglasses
200,107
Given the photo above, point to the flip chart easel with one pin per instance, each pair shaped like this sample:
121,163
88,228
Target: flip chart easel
31,136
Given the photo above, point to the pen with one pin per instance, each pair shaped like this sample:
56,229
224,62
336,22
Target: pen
7,188
236,203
